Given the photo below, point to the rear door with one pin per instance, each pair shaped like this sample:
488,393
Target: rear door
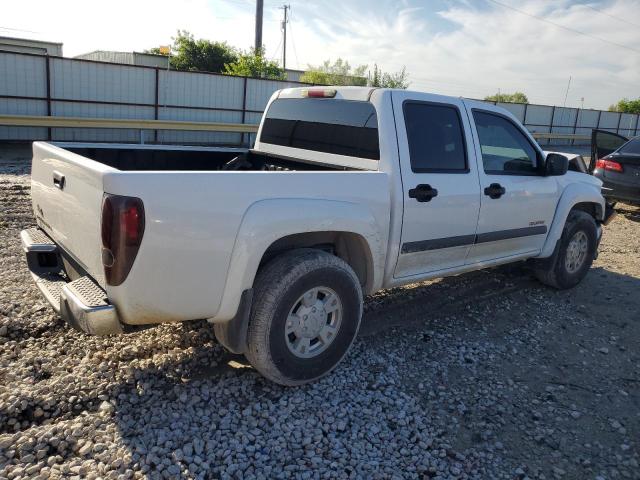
602,144
440,183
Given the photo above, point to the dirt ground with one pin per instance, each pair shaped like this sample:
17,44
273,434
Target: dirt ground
486,375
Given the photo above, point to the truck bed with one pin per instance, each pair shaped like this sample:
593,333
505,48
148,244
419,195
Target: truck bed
195,203
126,157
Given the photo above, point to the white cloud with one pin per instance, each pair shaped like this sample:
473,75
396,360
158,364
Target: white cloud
469,48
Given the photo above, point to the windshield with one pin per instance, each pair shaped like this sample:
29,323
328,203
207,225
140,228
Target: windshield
341,127
632,146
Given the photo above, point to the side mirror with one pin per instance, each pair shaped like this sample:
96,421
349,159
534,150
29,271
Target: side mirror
556,165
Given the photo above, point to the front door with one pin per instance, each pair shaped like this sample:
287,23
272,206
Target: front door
518,202
440,183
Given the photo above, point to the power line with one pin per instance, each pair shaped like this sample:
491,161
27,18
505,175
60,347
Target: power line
542,19
612,16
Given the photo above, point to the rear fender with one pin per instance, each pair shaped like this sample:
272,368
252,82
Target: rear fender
269,220
573,194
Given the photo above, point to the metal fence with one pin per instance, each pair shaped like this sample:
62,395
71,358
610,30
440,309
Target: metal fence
571,121
62,87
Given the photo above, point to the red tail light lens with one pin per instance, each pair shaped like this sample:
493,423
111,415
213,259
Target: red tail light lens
604,164
122,231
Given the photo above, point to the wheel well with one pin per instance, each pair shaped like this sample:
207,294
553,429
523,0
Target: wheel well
593,209
350,247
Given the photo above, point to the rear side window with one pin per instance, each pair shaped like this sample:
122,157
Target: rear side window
436,141
632,146
341,127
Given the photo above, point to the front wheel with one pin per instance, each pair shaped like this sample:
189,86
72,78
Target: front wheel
306,312
575,254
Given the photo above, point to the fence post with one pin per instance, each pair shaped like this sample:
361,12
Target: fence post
155,104
48,76
244,109
618,127
575,124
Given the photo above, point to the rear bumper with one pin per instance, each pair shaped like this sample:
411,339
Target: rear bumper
80,302
623,193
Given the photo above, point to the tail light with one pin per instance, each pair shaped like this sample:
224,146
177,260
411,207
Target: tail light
604,164
122,231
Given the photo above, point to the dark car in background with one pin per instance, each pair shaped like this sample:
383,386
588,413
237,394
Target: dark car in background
615,160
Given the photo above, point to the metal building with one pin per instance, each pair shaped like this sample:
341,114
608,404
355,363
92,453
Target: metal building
25,45
128,58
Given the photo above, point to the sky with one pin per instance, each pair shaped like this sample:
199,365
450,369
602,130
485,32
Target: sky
469,48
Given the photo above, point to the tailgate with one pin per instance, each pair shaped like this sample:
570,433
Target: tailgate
66,191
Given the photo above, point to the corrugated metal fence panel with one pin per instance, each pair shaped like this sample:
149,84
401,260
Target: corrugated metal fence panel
628,124
609,121
259,92
200,90
82,80
517,109
93,110
12,106
185,137
23,75
564,121
587,121
539,118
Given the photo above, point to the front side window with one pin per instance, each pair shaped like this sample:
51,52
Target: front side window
436,142
342,127
505,149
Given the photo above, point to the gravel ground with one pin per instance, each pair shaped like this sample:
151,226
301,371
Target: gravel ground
487,375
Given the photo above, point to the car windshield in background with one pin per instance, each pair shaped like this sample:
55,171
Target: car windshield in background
632,147
341,127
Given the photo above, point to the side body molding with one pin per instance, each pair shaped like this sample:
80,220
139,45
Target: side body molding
266,221
573,194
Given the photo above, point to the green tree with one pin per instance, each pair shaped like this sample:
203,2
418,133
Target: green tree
203,55
626,106
254,64
379,78
336,73
516,97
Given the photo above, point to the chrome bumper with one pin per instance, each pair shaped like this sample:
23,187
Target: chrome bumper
81,302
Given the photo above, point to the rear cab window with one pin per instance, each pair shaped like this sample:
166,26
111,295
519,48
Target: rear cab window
334,126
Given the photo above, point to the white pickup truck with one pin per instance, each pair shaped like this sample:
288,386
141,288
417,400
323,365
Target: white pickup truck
347,191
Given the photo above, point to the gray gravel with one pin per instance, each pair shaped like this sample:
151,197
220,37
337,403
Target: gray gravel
487,375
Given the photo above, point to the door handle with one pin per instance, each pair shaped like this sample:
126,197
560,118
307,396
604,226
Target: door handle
495,190
58,180
423,193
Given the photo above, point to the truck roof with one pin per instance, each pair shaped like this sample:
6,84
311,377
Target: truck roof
344,92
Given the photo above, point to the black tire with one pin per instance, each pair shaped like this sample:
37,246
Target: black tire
278,286
554,271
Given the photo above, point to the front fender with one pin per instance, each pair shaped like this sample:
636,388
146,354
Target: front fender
266,221
573,194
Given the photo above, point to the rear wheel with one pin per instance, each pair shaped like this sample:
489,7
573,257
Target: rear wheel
306,313
575,254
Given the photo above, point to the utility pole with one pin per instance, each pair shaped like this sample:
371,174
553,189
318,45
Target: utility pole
259,8
284,36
